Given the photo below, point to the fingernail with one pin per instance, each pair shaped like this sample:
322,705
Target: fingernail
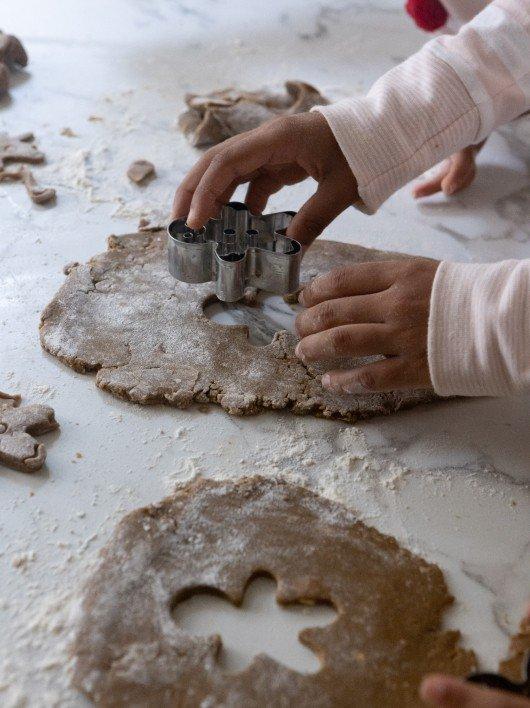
298,352
328,383
191,218
354,387
301,297
451,189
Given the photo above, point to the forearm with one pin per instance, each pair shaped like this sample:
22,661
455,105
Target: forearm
479,328
449,95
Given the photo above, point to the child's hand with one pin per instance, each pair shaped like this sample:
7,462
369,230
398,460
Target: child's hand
450,692
456,173
283,151
370,308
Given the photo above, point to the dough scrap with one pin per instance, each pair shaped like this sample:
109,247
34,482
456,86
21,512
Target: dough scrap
18,425
219,115
129,651
125,317
22,148
12,54
139,170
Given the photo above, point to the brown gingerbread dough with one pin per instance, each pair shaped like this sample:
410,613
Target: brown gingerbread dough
18,425
129,651
139,170
144,333
12,55
519,649
22,148
219,115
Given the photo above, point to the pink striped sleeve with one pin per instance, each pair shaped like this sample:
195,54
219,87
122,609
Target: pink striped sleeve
479,328
449,95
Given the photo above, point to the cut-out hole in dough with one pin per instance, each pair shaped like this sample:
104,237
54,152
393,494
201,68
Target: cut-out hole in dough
259,626
270,315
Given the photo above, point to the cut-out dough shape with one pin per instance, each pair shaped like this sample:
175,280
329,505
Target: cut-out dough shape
18,426
129,651
219,115
260,622
124,316
22,148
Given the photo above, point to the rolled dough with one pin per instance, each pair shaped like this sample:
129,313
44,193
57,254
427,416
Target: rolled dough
128,650
145,334
219,115
18,425
519,649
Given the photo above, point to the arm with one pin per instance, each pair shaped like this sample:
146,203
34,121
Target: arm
449,95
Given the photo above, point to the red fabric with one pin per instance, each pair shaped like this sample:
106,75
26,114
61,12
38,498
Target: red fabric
429,15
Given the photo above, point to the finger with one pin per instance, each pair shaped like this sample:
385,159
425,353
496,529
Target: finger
432,184
461,172
259,191
429,186
358,279
450,692
237,161
347,341
345,310
392,374
318,212
186,189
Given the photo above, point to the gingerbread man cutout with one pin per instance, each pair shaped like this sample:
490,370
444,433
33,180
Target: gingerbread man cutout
18,425
22,148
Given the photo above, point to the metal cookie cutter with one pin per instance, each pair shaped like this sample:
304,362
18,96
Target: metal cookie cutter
503,684
237,250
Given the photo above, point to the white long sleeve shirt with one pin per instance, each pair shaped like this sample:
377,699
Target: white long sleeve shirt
451,94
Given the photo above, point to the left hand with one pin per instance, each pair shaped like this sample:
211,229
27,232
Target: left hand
370,308
454,174
450,692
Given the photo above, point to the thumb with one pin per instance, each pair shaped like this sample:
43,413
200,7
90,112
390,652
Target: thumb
318,212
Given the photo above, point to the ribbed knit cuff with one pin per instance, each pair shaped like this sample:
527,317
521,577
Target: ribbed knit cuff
414,116
479,328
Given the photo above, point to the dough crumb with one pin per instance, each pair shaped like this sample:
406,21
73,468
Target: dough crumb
69,267
140,170
68,132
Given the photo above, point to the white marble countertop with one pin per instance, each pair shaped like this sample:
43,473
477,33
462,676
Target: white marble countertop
450,481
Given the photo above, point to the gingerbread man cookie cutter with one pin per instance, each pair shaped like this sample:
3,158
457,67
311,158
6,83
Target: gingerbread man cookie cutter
237,251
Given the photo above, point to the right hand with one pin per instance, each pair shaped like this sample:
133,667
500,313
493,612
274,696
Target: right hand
283,151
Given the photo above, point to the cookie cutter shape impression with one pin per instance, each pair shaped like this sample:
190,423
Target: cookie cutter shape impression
237,250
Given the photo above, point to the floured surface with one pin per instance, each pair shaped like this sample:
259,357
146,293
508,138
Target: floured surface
124,316
464,501
129,651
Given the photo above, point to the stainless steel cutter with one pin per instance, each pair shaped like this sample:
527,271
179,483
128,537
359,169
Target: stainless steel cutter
237,250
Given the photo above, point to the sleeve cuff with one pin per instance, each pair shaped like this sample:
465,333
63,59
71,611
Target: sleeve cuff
413,117
479,328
